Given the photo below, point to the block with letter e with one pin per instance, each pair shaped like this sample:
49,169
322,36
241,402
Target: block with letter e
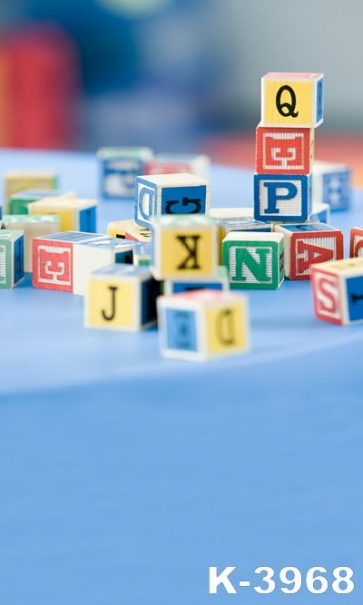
203,324
254,260
338,290
292,99
170,194
284,150
308,243
184,247
282,198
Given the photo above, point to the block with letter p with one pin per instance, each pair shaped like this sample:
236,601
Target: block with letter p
338,291
170,194
284,150
282,198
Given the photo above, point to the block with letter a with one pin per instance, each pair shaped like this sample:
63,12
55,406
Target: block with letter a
284,150
308,243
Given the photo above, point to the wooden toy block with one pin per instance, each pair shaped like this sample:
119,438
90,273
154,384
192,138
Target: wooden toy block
284,150
204,324
142,254
166,163
121,297
138,234
254,260
32,226
19,202
309,243
75,214
331,184
93,255
285,198
11,257
119,228
184,247
53,259
356,242
227,225
160,194
292,99
338,291
20,180
219,282
119,168
320,213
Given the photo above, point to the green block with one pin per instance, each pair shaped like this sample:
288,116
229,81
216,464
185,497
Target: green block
19,202
255,261
11,257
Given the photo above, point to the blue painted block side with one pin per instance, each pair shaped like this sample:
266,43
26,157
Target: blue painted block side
150,289
118,177
285,198
87,220
336,189
184,200
320,100
181,332
178,287
145,206
18,266
309,227
355,298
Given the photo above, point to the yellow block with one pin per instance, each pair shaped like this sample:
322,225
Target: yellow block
17,181
68,219
119,228
186,254
226,329
110,304
289,100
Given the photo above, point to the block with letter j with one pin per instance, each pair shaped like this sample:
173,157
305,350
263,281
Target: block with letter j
282,198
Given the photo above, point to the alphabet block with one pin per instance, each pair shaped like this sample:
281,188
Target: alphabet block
138,234
142,254
284,150
320,213
338,291
219,282
53,259
356,242
119,167
74,214
169,163
11,257
292,99
285,198
25,179
19,202
331,184
32,226
254,260
184,247
308,243
121,297
180,193
204,324
119,228
226,225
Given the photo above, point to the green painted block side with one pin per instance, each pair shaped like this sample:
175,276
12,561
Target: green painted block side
254,265
19,206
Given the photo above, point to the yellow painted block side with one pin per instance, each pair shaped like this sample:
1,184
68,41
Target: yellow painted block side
68,219
119,228
227,329
18,182
175,260
301,102
110,304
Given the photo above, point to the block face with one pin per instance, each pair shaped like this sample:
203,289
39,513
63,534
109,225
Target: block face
292,99
87,219
356,242
282,197
336,190
119,168
254,262
18,181
52,265
11,257
110,303
150,289
219,282
18,261
146,194
226,329
181,330
184,200
327,295
5,264
284,150
354,290
167,163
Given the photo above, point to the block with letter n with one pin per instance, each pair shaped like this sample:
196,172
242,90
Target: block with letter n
338,291
184,247
170,194
203,324
254,260
309,243
282,198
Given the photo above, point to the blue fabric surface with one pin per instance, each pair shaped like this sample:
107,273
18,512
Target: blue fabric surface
123,476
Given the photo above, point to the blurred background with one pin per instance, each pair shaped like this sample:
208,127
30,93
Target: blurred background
175,75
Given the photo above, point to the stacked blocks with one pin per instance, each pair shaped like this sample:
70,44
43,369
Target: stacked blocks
338,291
170,194
203,324
119,168
121,297
11,257
292,106
308,243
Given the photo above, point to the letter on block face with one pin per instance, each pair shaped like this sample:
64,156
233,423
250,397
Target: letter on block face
203,324
292,99
285,198
284,150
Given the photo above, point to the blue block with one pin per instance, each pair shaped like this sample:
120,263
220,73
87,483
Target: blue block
87,220
283,198
18,259
183,200
336,189
180,328
320,101
355,298
145,206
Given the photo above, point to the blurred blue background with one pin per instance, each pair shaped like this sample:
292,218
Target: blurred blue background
168,73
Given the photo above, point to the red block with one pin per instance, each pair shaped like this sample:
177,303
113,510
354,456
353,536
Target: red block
327,296
356,242
52,265
284,150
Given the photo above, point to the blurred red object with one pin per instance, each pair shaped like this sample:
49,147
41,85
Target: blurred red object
39,89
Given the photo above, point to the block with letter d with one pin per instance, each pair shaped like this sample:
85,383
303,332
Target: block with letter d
292,99
308,243
338,291
203,324
284,150
184,247
282,198
170,194
121,297
254,260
